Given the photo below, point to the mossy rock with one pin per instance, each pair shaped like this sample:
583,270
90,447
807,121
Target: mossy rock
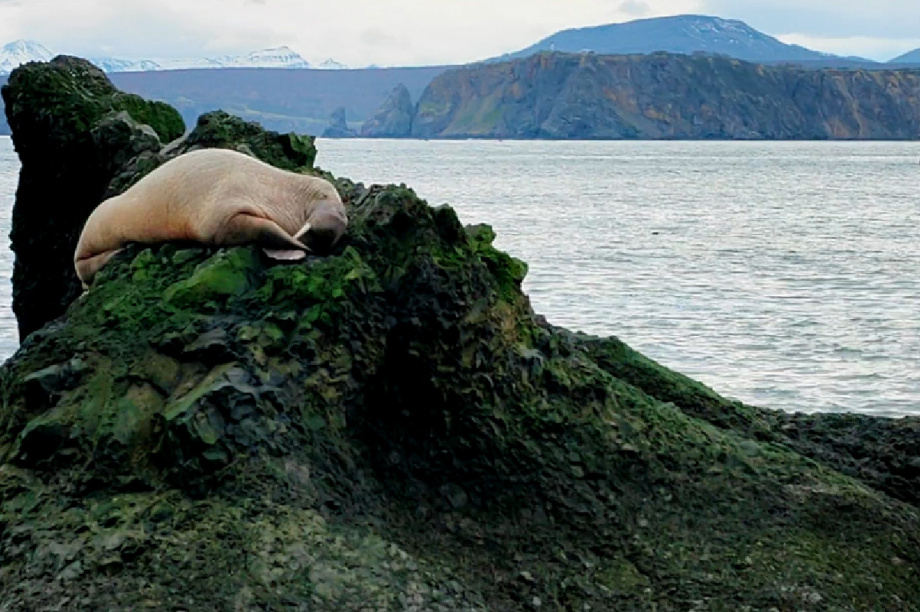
290,151
73,131
80,141
392,426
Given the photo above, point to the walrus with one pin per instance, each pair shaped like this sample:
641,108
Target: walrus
215,197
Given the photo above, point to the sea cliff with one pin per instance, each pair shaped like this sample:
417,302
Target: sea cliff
666,96
392,427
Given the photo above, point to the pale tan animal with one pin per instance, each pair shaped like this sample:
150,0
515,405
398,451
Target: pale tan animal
216,197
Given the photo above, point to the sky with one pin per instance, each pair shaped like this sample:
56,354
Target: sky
423,32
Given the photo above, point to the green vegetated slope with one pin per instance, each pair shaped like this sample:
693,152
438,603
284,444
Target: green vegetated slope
568,96
392,427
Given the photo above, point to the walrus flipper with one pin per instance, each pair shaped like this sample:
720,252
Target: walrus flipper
275,242
88,267
284,255
289,254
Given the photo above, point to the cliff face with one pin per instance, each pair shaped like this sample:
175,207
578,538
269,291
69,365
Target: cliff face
394,117
667,96
392,427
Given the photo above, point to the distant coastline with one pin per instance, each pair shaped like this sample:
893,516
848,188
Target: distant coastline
555,96
662,96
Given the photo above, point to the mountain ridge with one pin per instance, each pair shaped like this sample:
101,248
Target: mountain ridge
911,57
21,51
674,34
686,33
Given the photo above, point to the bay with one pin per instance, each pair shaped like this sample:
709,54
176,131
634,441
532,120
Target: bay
779,273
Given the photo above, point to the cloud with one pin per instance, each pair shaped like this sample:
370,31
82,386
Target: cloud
635,8
401,31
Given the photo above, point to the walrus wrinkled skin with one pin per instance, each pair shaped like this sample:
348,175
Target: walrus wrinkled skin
216,197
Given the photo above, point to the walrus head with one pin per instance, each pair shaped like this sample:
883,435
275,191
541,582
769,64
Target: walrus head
324,228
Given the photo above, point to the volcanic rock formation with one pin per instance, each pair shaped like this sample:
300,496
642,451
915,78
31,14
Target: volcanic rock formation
392,427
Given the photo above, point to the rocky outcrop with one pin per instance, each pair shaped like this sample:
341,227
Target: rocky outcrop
77,136
662,96
72,129
394,118
392,427
338,126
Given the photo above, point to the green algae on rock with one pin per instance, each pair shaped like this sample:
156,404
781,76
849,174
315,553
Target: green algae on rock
392,427
392,424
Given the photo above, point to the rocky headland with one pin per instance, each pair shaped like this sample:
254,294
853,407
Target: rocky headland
390,427
338,125
666,96
394,117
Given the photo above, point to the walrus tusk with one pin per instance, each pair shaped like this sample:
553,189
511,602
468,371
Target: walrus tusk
303,230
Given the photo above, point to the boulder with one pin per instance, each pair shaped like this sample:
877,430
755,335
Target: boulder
392,427
394,117
338,126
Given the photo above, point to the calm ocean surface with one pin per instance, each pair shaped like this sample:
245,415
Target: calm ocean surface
781,274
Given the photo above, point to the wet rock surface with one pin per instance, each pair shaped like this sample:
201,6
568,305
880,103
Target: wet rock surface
392,427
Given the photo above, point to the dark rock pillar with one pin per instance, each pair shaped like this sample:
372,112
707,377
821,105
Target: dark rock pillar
394,117
72,130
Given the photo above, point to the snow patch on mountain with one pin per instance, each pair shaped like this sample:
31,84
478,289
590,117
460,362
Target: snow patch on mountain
685,34
21,51
331,64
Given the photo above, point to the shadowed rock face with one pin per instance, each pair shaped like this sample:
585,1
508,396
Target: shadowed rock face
661,96
394,118
80,140
392,427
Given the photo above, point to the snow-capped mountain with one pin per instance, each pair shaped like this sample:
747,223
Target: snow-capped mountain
678,34
22,51
111,64
331,64
276,57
